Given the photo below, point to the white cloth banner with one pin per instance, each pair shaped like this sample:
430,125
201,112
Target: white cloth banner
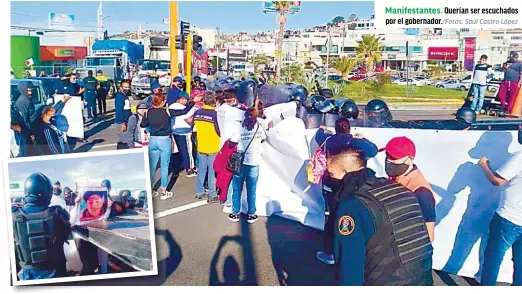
73,111
466,201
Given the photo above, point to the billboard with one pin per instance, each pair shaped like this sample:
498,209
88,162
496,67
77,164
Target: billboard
443,53
469,53
61,21
269,6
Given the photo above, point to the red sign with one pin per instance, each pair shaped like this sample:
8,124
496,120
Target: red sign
55,53
199,63
469,53
443,53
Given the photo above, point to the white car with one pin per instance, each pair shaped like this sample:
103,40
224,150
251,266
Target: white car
424,80
456,84
402,82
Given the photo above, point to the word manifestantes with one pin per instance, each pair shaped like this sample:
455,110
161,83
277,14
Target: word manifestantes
407,10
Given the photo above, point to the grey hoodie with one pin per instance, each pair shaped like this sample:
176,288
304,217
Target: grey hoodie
24,104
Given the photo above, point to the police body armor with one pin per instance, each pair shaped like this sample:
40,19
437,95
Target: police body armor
34,235
400,251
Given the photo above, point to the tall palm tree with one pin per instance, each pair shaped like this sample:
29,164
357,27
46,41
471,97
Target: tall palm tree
369,49
345,65
282,7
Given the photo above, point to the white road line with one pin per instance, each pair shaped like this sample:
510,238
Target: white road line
102,146
180,209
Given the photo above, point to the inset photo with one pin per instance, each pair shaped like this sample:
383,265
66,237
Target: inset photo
80,217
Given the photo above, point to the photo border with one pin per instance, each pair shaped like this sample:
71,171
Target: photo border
7,190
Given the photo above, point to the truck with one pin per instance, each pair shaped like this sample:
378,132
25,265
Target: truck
113,58
140,85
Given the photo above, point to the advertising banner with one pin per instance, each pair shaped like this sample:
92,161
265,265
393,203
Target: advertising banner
61,21
465,200
443,53
469,53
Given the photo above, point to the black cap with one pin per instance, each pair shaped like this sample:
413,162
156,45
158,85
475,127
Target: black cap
514,55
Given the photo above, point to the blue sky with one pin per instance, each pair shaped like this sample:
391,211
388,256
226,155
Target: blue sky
229,16
123,170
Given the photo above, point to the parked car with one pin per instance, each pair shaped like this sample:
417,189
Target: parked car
335,77
356,77
456,84
402,82
424,80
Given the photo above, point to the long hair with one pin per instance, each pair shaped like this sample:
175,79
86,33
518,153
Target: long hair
251,115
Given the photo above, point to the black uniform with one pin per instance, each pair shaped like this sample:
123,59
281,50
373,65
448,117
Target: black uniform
380,236
40,232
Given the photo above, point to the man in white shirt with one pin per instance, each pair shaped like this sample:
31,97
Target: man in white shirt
505,229
57,199
182,132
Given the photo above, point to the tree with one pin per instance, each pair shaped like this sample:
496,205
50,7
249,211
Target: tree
337,19
345,65
292,73
369,49
258,60
282,7
353,17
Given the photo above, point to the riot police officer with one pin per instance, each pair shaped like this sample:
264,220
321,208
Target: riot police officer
380,235
377,114
40,231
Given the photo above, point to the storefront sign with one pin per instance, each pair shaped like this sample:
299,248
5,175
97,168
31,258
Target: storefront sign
443,53
63,52
392,56
469,53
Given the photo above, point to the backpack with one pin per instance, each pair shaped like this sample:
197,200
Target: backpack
317,165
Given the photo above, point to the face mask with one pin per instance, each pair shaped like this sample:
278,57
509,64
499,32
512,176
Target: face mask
57,191
394,169
73,81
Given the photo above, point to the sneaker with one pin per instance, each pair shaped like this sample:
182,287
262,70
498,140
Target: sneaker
212,200
227,209
191,174
325,258
482,111
166,196
233,217
200,197
252,218
477,112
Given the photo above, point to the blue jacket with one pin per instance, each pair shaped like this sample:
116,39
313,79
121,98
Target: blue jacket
340,140
122,115
172,95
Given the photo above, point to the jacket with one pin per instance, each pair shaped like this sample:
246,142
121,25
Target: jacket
122,108
223,177
208,134
24,104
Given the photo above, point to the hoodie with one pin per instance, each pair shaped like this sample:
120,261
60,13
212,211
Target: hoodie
223,177
24,104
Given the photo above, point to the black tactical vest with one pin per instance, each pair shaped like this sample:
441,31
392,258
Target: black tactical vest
33,238
400,251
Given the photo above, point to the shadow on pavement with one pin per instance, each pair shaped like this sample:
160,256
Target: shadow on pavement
174,171
99,128
294,251
231,271
88,146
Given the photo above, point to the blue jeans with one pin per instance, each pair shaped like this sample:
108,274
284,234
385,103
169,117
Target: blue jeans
250,174
503,234
160,148
206,163
230,193
478,96
36,274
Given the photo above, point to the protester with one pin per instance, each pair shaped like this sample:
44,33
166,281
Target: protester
102,91
250,138
69,87
28,115
224,183
123,112
69,196
157,119
208,135
509,88
175,89
57,200
182,132
48,138
133,134
40,260
479,84
91,84
380,235
400,167
505,229
330,143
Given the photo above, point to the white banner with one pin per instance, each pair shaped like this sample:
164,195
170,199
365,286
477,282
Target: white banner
73,111
447,14
466,201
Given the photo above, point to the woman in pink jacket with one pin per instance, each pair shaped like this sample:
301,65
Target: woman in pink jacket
224,177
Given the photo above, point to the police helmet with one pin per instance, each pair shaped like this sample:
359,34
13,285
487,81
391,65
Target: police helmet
317,99
142,195
378,111
349,109
327,93
325,106
466,115
338,102
302,89
229,79
39,186
106,184
246,93
297,96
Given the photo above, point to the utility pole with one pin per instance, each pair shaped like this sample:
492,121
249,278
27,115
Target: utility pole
328,45
172,38
188,50
100,21
228,62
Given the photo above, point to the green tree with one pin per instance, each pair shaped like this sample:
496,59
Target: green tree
344,65
370,50
337,19
292,73
258,60
282,7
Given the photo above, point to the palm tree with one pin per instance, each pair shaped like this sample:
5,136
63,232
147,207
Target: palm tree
282,7
345,65
369,49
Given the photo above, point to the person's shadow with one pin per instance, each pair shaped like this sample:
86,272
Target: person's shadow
482,201
293,251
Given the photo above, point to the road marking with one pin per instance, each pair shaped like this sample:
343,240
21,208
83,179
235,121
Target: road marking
180,209
103,146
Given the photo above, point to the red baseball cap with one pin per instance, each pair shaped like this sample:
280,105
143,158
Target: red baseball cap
400,147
